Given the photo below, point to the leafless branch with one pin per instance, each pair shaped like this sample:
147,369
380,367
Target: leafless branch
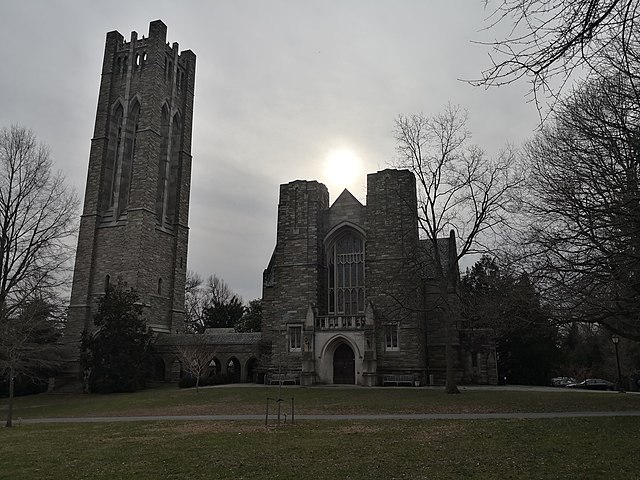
550,42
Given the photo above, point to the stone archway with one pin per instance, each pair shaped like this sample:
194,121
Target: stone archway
234,371
214,367
159,370
344,365
252,370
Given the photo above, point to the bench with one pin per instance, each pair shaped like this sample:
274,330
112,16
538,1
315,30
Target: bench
397,380
284,378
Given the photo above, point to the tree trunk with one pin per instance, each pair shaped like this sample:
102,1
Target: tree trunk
450,385
10,410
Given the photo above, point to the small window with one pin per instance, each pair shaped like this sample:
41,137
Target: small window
107,281
391,337
295,338
160,286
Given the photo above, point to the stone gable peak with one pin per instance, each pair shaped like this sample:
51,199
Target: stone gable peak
346,199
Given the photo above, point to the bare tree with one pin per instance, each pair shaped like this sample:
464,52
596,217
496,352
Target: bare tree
582,246
37,215
218,290
195,358
224,308
195,302
459,190
549,41
29,346
212,303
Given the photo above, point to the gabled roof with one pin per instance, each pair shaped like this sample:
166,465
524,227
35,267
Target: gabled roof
346,199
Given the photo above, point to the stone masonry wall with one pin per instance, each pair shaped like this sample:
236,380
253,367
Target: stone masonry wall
294,277
393,282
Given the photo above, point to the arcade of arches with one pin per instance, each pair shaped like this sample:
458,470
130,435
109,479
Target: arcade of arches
232,354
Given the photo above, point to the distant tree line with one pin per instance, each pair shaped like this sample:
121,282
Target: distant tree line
532,346
211,303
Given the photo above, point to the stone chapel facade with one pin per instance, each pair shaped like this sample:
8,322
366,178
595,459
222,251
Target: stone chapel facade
134,224
350,295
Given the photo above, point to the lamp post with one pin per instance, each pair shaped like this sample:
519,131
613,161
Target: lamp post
615,339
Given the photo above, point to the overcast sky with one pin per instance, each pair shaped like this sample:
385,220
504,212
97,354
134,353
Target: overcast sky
279,86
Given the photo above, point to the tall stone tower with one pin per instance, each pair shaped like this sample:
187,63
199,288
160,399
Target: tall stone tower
136,206
294,278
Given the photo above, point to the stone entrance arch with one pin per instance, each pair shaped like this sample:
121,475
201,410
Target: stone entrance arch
344,365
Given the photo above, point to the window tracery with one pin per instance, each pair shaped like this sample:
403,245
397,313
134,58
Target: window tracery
346,283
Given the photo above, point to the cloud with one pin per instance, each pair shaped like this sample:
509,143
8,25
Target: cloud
278,85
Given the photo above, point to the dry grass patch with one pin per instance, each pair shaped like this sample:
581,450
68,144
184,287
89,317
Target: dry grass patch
595,448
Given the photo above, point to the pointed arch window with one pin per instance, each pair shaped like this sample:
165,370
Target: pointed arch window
111,163
126,163
174,162
162,164
345,269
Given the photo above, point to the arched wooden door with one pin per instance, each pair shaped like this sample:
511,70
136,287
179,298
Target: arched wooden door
344,365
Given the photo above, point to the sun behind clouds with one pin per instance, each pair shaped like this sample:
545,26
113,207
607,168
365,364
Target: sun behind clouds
342,169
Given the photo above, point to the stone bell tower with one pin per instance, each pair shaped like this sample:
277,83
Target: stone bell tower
134,224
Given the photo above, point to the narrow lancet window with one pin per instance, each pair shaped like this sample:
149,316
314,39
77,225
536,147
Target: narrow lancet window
163,160
111,163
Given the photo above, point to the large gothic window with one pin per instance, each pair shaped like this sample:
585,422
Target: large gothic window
345,261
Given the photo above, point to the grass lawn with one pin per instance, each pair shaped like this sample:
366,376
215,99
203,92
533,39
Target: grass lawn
169,400
482,449
496,449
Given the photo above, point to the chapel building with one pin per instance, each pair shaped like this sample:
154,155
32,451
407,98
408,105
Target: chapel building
351,295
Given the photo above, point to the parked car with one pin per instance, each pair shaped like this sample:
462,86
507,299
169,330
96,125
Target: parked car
593,384
562,381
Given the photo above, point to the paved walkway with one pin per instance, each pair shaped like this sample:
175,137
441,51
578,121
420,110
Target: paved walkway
412,416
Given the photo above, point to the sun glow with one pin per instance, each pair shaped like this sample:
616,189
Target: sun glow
342,169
